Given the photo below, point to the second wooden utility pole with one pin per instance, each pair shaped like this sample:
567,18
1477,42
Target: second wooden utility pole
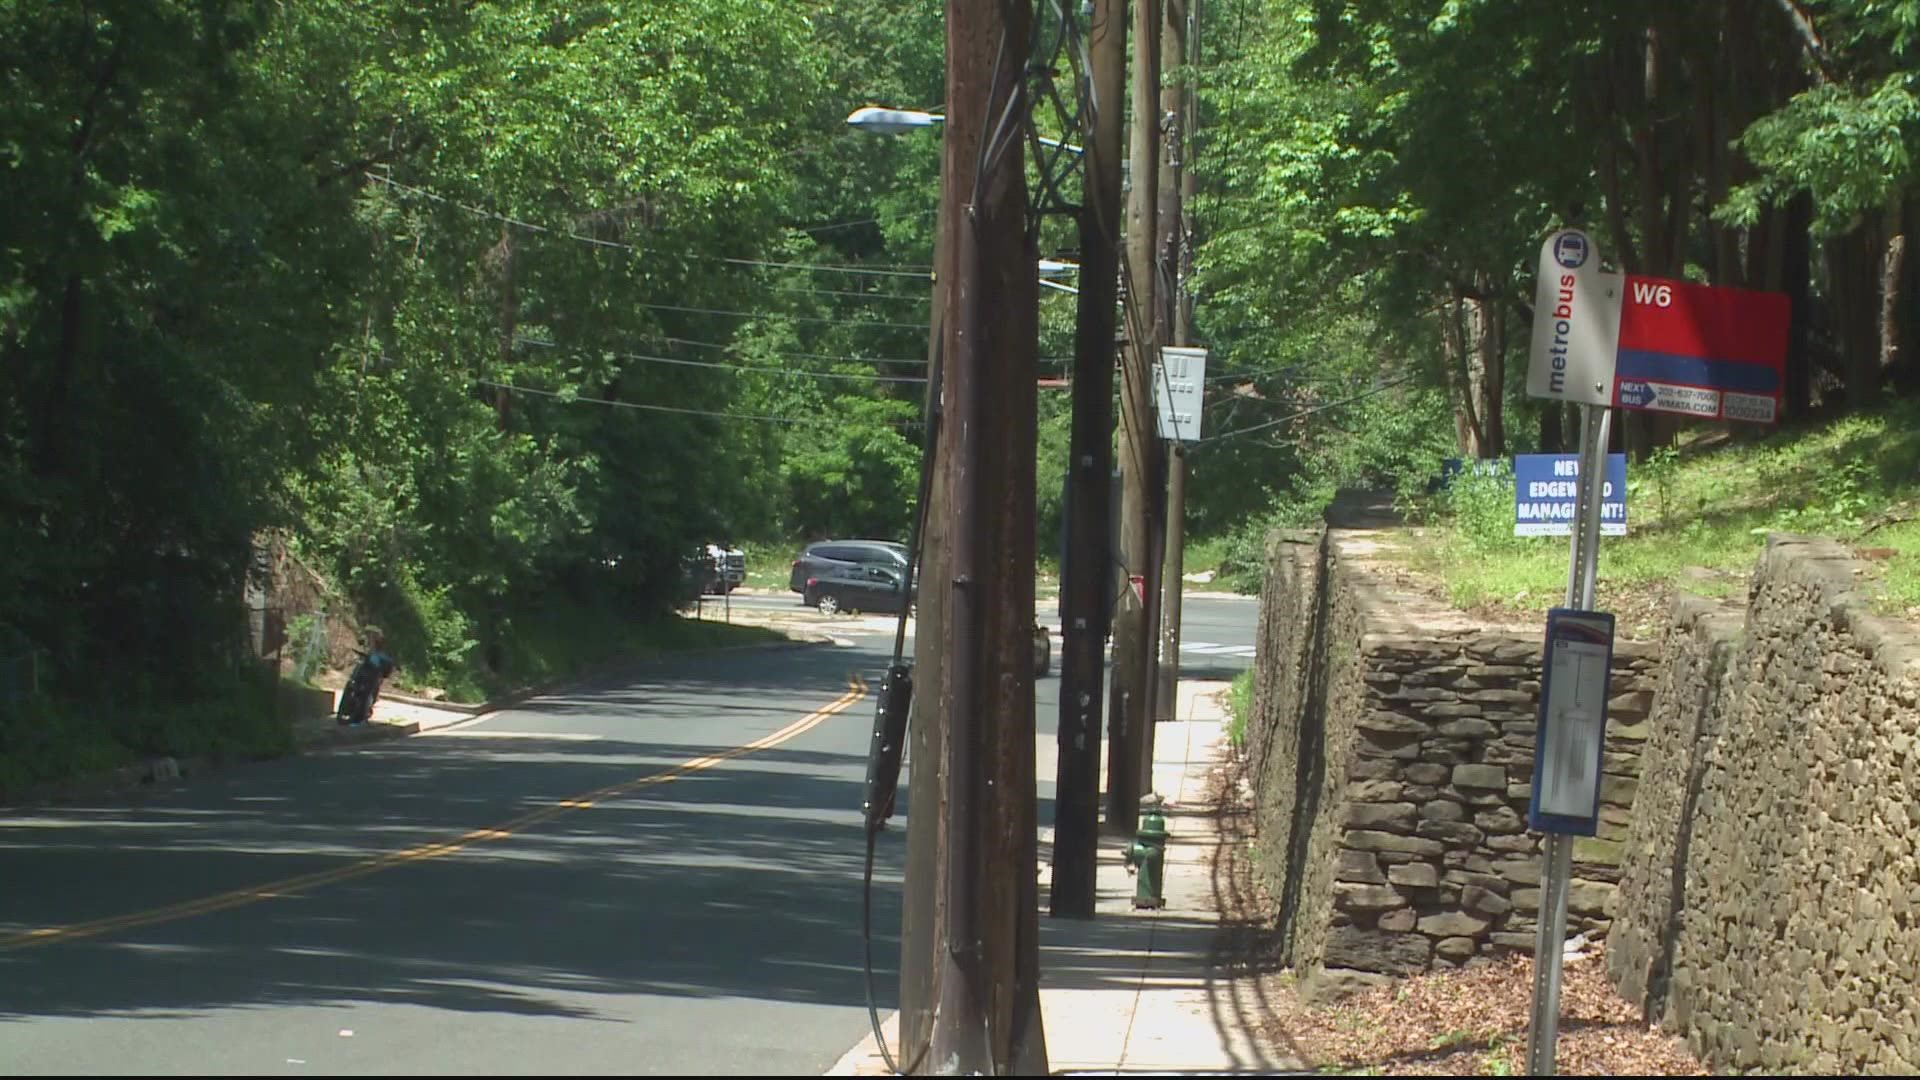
1166,293
986,1018
1176,188
1088,578
1130,707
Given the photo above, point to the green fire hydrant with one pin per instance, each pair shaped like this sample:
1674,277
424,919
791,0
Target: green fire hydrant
1149,853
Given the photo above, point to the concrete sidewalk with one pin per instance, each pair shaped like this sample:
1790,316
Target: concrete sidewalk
1143,991
391,720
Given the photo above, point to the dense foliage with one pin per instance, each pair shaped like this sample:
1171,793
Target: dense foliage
1379,175
480,310
493,312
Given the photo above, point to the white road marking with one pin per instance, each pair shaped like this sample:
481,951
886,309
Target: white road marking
486,733
1207,648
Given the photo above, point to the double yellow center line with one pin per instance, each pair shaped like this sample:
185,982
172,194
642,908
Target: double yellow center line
273,890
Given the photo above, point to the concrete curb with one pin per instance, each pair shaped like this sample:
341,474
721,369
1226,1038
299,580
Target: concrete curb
429,703
1179,1012
371,732
527,693
158,772
320,735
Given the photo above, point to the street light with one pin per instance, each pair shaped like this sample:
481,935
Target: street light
891,121
896,121
884,121
1055,266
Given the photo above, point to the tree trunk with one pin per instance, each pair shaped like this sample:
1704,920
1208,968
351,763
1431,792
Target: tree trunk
1796,280
1854,280
1468,434
1665,184
1489,370
1552,437
1725,117
1892,265
1651,172
56,419
1905,374
504,254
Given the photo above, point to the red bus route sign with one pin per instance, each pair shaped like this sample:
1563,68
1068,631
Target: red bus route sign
1711,352
1604,338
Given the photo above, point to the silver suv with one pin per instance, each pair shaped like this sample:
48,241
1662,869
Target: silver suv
851,575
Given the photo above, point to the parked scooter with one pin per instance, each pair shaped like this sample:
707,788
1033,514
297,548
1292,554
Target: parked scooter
363,685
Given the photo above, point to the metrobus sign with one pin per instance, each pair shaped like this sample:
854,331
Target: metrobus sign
1705,351
1603,338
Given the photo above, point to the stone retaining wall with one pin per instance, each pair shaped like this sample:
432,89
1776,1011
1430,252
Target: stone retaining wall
1392,740
1770,903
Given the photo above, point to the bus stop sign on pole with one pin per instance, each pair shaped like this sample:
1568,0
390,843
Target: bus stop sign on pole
1704,351
1603,339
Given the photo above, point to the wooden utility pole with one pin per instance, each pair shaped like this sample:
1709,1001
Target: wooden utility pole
986,1017
923,911
1167,683
1088,577
1176,190
1130,710
1166,295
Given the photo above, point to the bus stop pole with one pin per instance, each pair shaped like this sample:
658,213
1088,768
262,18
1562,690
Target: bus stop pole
1557,856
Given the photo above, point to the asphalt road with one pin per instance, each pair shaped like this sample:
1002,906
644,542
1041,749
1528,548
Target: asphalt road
705,923
656,873
1216,634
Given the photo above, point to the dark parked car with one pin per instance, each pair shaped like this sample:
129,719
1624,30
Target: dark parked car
851,575
715,570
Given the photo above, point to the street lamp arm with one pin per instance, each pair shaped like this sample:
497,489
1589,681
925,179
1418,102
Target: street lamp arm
885,121
891,121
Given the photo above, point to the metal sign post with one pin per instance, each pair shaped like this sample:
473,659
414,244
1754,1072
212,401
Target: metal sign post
1603,339
1557,856
1575,338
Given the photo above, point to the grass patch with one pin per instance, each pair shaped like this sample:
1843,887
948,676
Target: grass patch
1234,560
1209,554
1239,707
1897,550
1699,514
224,716
557,640
43,740
770,566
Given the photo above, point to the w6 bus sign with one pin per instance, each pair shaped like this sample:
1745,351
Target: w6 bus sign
1647,343
1711,352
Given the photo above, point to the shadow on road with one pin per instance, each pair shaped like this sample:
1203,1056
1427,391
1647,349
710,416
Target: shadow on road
742,879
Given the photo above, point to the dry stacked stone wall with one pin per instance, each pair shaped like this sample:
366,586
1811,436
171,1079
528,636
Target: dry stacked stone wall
1392,748
1770,892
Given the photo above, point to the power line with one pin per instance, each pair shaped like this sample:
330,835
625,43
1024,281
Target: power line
1382,388
912,272
780,315
898,298
800,355
923,273
570,398
863,221
1227,376
722,367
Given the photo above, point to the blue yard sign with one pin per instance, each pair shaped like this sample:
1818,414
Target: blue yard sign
1546,495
